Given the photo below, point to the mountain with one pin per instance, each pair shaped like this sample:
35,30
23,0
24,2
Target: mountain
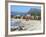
33,10
18,13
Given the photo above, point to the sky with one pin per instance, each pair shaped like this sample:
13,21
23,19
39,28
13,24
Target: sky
19,8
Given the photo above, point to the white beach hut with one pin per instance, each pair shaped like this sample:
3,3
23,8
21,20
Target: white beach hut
28,15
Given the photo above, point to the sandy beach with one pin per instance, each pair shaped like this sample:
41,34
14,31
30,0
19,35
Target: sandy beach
28,25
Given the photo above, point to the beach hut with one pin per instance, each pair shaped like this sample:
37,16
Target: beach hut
18,16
